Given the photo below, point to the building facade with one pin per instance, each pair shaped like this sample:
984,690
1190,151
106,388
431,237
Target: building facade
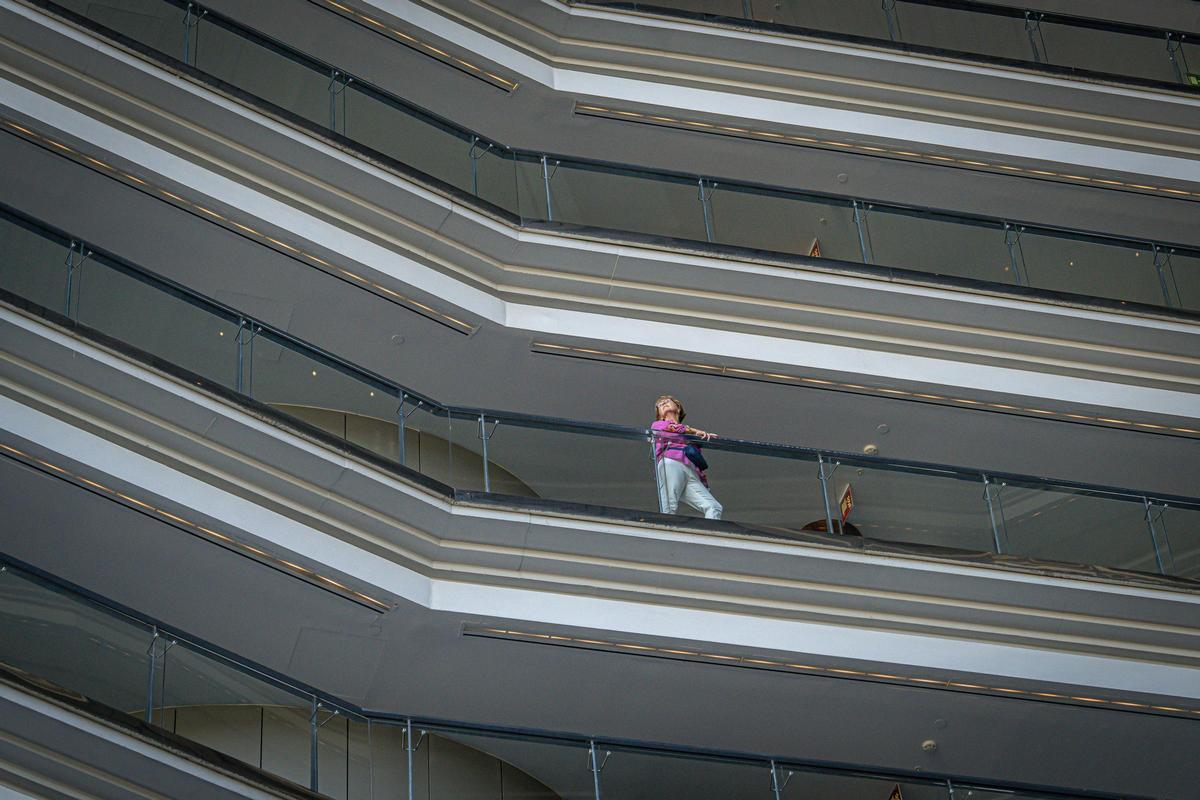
332,338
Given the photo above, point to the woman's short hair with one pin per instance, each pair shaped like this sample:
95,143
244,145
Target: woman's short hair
658,411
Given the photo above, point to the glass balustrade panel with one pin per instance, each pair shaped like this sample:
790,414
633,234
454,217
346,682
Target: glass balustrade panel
853,17
427,440
466,450
806,783
927,243
478,766
263,70
378,765
621,200
412,138
118,302
644,776
1178,531
1181,274
322,393
528,459
33,264
1073,526
733,9
1096,269
770,491
1111,52
911,507
962,31
780,222
209,700
154,23
57,637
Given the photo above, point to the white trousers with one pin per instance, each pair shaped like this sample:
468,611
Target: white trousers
677,481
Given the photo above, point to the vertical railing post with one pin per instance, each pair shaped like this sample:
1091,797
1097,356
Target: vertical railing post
1016,254
191,22
73,286
893,20
338,82
1033,29
594,766
1163,557
70,265
860,223
1166,275
474,154
824,478
241,349
546,184
151,668
484,436
778,786
987,496
401,445
1177,56
314,732
408,754
706,209
410,750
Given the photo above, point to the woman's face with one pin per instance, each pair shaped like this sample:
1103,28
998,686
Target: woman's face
668,409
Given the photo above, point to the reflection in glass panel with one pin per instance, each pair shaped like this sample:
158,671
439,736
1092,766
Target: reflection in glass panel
59,638
718,8
914,507
856,17
119,304
963,30
482,767
767,491
1073,527
287,743
1179,530
626,200
263,71
466,448
152,22
784,223
495,177
32,265
808,784
1181,273
418,141
929,244
323,394
1106,51
648,776
571,466
426,440
1091,268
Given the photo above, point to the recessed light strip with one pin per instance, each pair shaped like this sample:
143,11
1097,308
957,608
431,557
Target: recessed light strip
423,47
743,132
550,348
228,222
207,533
781,665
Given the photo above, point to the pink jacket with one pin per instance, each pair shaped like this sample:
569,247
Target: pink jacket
669,441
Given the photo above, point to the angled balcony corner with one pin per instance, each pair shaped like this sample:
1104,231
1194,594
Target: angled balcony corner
344,351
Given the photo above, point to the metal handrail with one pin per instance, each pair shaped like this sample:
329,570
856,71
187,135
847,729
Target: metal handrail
469,135
247,666
971,6
590,427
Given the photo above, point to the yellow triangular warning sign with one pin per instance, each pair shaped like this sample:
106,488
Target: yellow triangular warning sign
895,795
